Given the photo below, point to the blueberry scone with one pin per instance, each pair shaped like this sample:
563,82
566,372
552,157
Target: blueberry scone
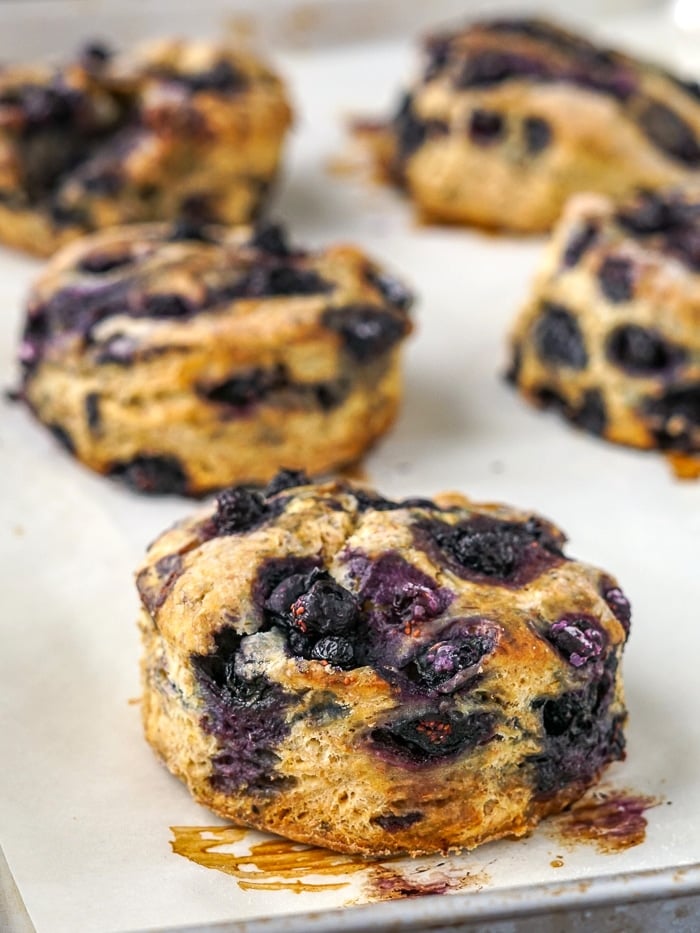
610,335
183,359
175,128
509,117
376,676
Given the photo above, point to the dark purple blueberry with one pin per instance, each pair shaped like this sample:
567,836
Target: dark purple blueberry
329,395
274,571
92,411
485,127
290,582
489,67
618,603
99,263
265,281
220,78
286,479
271,239
675,417
580,734
239,509
245,389
650,214
391,289
616,277
669,132
579,244
394,823
641,351
537,133
489,549
412,131
166,306
372,501
450,663
197,208
434,736
334,649
63,437
152,474
558,338
326,608
218,666
577,639
590,415
559,714
188,229
367,332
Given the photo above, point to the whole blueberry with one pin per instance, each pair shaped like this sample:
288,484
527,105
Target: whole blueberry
558,338
238,509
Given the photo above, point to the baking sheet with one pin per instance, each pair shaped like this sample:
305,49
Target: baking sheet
86,809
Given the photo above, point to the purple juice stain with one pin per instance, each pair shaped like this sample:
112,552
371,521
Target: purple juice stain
641,351
248,717
579,244
153,474
558,338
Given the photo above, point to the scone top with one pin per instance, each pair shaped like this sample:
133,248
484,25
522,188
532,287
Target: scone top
123,295
488,54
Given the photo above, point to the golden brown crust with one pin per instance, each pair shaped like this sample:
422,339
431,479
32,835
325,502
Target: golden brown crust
221,357
610,334
173,128
379,754
511,117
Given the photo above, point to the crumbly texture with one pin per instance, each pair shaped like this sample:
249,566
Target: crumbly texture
510,117
610,335
182,359
375,676
173,129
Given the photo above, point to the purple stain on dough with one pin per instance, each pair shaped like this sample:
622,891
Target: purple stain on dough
579,244
248,717
394,822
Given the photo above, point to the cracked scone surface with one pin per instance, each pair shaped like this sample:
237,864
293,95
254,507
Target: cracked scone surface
376,676
182,359
510,117
173,128
610,335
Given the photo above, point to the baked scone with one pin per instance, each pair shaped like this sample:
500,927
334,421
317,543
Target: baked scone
610,335
375,676
183,359
173,129
511,116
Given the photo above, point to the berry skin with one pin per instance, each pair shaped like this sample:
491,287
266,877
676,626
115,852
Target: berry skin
238,509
